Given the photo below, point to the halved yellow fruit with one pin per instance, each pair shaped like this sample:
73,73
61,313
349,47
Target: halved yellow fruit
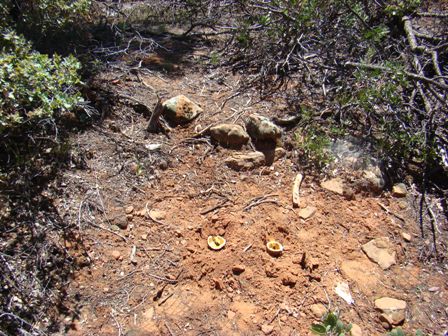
274,248
216,242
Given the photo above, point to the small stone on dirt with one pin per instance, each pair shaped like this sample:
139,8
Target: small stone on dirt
218,284
279,153
180,110
307,212
318,310
399,190
157,214
129,210
231,315
229,135
267,329
246,161
121,221
238,269
393,310
356,330
381,251
115,254
144,236
406,236
335,185
289,280
261,128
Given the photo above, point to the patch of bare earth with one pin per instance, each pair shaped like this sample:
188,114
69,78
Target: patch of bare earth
145,215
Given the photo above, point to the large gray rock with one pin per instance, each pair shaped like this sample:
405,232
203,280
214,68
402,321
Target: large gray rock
246,161
352,156
229,135
180,110
262,129
372,180
381,251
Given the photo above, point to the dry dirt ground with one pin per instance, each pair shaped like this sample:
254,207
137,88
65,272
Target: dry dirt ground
158,277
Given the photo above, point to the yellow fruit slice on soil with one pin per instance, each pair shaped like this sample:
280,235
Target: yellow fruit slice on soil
216,242
274,248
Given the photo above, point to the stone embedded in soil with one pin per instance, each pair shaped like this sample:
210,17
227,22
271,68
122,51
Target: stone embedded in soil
308,263
406,236
129,209
318,310
372,180
245,161
356,330
289,280
399,190
121,221
231,315
238,269
180,110
218,284
229,135
307,212
361,273
115,254
393,310
381,251
267,329
261,128
335,185
157,214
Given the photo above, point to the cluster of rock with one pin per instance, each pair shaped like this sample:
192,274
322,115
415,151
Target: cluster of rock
180,110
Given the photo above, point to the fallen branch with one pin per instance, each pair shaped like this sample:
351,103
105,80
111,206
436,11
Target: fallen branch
391,212
218,206
260,200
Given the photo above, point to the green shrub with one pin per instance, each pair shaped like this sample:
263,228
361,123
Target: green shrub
399,332
315,146
34,85
331,325
38,16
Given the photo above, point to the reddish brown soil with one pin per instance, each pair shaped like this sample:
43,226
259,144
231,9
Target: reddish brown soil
176,284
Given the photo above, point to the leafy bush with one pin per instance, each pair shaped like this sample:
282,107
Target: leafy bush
34,85
399,332
39,16
331,326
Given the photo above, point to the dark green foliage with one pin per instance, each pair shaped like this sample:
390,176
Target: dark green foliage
35,85
331,325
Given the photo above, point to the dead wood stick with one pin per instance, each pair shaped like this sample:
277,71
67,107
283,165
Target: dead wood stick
154,122
162,278
391,212
236,94
165,299
169,329
410,35
108,230
247,247
296,190
220,205
433,14
407,73
260,200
